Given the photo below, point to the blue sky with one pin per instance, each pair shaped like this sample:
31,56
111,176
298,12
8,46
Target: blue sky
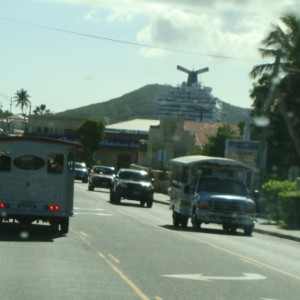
72,53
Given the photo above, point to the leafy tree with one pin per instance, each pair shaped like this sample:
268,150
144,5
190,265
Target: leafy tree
216,143
276,92
42,110
22,99
90,133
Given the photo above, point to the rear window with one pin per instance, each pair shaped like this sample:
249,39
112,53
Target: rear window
29,162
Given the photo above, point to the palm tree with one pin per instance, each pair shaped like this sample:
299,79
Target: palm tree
22,99
42,110
283,45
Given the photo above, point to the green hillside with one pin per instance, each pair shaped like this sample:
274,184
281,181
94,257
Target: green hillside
141,104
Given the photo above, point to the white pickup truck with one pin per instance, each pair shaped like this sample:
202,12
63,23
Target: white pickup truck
212,190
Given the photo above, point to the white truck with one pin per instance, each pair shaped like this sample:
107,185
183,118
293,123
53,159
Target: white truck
37,181
213,190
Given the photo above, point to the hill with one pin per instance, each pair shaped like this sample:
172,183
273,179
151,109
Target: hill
141,104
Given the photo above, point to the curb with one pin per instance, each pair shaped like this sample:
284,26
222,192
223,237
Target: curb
277,234
259,230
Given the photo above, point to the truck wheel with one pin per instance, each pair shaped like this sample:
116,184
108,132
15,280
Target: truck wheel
248,230
184,221
117,197
194,220
111,196
176,218
149,203
64,225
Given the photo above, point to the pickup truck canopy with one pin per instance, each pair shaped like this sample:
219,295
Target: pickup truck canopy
201,161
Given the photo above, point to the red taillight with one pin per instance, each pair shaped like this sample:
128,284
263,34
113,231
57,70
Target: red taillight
53,207
2,205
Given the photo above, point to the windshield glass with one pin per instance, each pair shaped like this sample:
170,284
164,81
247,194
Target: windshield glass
135,176
222,185
103,170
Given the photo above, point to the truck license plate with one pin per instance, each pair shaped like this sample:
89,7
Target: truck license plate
27,204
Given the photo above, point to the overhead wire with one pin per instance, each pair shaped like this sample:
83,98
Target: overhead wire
122,41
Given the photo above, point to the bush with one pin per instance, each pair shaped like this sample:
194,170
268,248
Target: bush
272,202
290,204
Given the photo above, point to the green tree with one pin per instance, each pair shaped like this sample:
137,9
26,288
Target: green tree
276,92
216,143
90,133
41,110
22,99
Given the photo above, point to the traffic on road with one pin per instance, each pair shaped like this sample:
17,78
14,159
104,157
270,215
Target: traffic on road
127,251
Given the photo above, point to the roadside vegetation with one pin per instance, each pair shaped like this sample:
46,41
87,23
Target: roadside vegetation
276,114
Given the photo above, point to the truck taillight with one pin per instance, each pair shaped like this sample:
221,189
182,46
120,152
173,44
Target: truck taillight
2,205
53,207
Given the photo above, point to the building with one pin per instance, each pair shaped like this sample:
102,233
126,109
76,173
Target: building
174,137
120,146
53,126
191,100
13,125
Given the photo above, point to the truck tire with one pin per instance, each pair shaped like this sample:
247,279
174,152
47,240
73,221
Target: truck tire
248,230
111,196
176,218
117,197
196,224
184,221
150,201
64,225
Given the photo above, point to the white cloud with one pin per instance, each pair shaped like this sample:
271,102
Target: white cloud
231,28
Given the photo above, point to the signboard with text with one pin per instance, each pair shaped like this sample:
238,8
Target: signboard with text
245,151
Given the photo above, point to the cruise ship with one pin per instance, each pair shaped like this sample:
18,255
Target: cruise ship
192,100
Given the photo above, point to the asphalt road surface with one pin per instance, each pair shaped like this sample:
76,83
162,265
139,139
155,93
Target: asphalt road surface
131,252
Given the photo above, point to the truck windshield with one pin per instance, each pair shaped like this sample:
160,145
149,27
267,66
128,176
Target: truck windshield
221,185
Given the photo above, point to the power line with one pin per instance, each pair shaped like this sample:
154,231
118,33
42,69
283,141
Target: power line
123,42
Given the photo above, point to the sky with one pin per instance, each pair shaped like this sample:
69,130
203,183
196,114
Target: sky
72,53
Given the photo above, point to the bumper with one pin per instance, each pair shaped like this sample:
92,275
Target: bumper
136,194
101,182
226,218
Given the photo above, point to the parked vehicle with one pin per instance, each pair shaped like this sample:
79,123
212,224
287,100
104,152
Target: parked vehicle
212,190
101,177
132,184
37,181
81,172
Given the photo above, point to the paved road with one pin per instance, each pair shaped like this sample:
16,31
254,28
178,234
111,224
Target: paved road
128,252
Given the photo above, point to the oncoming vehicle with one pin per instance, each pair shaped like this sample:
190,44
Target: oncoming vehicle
212,190
37,181
81,172
132,184
101,177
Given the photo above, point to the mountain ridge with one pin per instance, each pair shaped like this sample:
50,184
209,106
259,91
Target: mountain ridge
142,104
